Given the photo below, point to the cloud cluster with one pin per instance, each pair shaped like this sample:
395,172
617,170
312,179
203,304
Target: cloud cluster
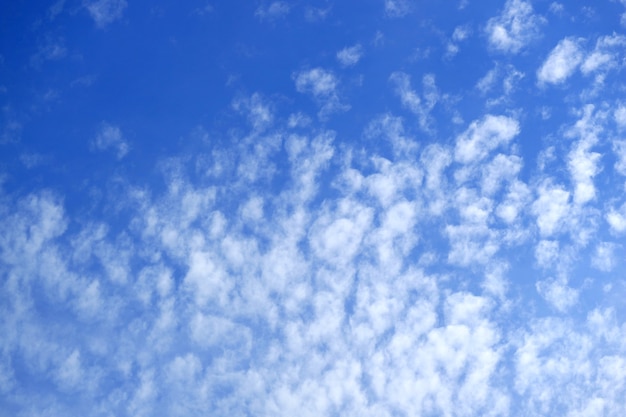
317,296
457,253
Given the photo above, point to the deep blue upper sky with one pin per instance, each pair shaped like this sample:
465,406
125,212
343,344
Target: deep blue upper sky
373,208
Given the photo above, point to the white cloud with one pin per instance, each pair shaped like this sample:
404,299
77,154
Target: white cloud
583,166
337,238
258,111
420,106
274,10
322,85
604,257
620,116
550,208
391,129
558,293
617,219
316,14
607,55
501,168
317,81
487,82
70,373
619,149
517,197
483,136
582,163
556,8
350,56
397,8
561,62
110,137
105,12
547,253
514,28
460,34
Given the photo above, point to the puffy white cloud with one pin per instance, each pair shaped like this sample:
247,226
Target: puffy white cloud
502,168
605,55
551,208
617,219
604,257
583,166
483,136
517,197
316,81
350,56
514,28
561,63
337,238
558,293
105,12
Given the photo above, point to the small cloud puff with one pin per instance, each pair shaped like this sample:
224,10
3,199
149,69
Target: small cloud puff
460,34
350,56
397,8
110,137
275,10
514,28
104,12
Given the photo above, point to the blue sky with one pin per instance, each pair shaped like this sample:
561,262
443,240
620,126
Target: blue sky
314,208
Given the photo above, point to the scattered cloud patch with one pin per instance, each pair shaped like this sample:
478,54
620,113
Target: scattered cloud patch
460,34
483,136
322,85
273,11
556,8
617,219
316,14
561,62
411,100
514,28
105,12
51,50
397,8
110,137
604,257
558,293
350,56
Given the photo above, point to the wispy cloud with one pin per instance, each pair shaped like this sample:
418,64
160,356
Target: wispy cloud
397,8
422,105
110,137
274,10
105,12
323,86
